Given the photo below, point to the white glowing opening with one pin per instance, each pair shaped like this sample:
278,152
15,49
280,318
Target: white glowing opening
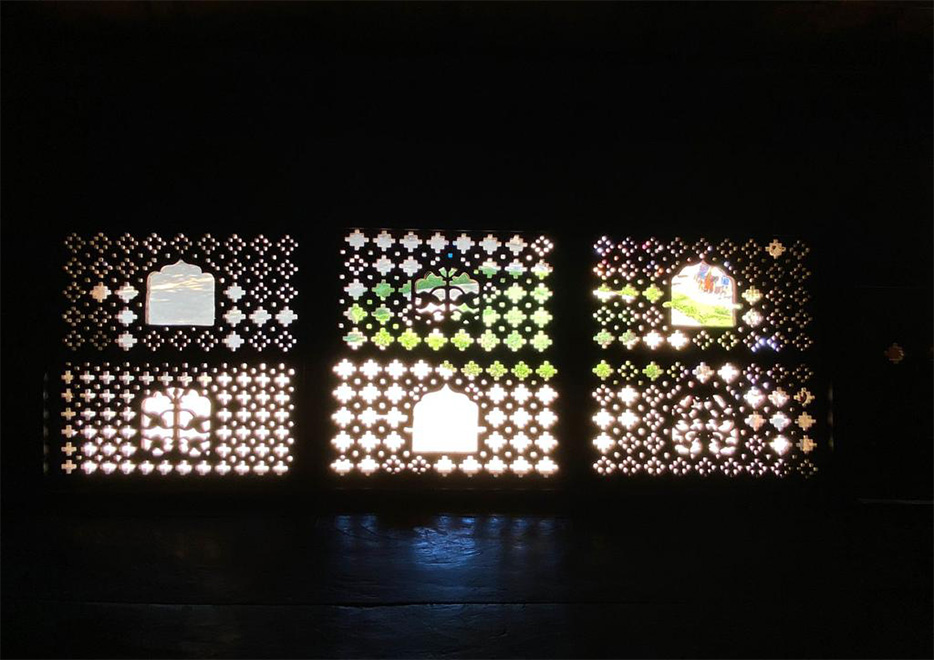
176,419
180,294
445,421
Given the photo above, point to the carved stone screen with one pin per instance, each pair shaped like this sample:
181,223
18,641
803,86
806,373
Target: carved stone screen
190,419
202,299
153,293
707,359
447,338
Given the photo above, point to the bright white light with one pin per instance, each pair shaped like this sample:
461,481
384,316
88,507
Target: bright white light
394,441
546,466
780,445
603,419
342,466
778,397
628,419
653,340
546,418
546,394
521,393
342,417
342,441
470,466
754,397
369,393
344,393
369,441
395,369
703,373
370,368
496,466
384,240
180,294
780,421
521,466
395,393
546,442
496,417
520,418
728,373
356,240
603,442
495,441
445,421
678,340
445,465
628,395
344,368
496,393
421,369
520,441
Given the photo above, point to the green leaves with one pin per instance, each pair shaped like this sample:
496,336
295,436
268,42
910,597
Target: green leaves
382,338
541,317
603,370
541,341
488,340
515,293
429,282
356,313
653,293
514,317
383,290
409,339
652,371
461,339
546,370
541,293
603,338
355,338
490,316
515,341
472,369
382,314
436,340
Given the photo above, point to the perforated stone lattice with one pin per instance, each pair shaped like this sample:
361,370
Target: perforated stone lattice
374,417
445,290
633,295
664,416
107,293
183,419
725,407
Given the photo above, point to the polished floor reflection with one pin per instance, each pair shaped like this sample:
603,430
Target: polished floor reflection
671,581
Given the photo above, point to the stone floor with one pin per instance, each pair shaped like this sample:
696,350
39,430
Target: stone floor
678,579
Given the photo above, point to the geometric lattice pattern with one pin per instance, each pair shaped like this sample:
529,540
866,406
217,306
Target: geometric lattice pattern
634,295
691,383
667,417
412,298
188,419
454,290
508,406
109,288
